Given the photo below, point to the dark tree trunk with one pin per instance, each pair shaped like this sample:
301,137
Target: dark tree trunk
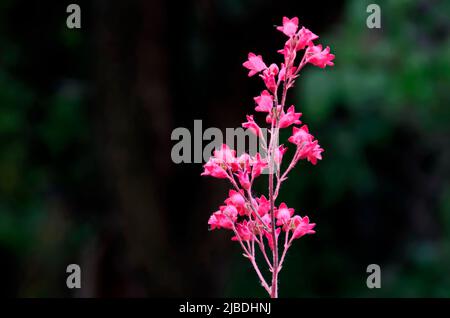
134,119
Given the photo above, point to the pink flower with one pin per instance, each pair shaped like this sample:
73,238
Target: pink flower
244,180
305,38
244,231
300,136
237,199
224,218
243,162
286,119
225,155
301,226
307,147
268,77
263,205
317,57
252,126
219,163
289,26
230,211
283,214
278,155
311,151
255,64
290,118
258,165
217,220
213,169
264,101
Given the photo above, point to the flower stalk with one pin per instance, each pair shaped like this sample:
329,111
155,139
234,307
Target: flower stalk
258,220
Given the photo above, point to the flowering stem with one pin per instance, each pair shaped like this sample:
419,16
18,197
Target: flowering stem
268,220
273,139
274,143
274,291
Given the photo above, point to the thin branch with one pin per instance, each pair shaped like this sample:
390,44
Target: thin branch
286,247
262,248
250,257
284,175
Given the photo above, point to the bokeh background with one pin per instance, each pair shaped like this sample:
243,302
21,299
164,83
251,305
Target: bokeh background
86,175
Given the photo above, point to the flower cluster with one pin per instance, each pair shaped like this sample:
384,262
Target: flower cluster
257,222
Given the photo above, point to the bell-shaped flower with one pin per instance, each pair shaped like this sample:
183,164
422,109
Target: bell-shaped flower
300,136
237,199
214,169
304,38
301,226
318,57
311,151
263,206
289,26
268,76
290,118
224,218
264,102
244,179
252,126
258,165
255,64
283,214
244,230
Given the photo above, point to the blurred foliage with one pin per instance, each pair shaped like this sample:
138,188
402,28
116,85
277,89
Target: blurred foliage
43,131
